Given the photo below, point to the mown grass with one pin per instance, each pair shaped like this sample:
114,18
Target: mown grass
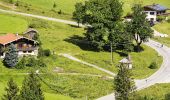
10,24
164,28
157,92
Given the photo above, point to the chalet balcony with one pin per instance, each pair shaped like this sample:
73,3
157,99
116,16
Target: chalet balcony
27,48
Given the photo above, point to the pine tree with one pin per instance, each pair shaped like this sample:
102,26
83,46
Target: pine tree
11,91
31,88
124,84
11,56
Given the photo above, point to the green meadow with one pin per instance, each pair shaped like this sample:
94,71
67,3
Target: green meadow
164,28
45,7
10,24
156,92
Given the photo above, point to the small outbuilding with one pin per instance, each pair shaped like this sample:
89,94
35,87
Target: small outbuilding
127,61
31,33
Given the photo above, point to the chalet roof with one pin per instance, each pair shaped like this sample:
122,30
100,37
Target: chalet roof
8,38
30,29
156,7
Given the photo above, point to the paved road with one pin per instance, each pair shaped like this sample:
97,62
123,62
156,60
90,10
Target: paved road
161,76
88,64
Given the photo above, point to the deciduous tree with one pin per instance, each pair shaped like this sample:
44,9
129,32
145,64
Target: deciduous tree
139,26
79,13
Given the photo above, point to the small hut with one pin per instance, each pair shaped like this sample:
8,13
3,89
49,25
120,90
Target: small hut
31,33
127,61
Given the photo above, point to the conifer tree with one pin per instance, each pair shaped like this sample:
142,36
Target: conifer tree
11,56
11,91
31,88
124,84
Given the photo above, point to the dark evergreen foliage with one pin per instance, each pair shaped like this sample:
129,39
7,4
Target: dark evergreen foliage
11,56
31,88
11,91
124,84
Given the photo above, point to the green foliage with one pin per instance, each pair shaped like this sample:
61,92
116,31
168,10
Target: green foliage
139,26
29,61
54,5
103,16
11,91
79,13
31,88
60,12
11,56
124,84
47,52
38,24
161,18
21,64
43,52
153,65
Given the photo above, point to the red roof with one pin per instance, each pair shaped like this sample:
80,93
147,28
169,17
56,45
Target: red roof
8,38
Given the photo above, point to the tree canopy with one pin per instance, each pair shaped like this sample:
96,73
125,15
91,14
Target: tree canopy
139,26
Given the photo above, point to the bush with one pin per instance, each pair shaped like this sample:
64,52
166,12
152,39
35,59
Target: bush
161,18
168,20
21,64
47,52
38,24
43,53
31,62
60,12
153,65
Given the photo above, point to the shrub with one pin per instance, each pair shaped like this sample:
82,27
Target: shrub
43,53
153,65
168,20
60,12
47,52
41,63
38,24
31,62
21,64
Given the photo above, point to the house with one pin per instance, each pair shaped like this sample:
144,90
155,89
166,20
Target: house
30,33
155,10
25,46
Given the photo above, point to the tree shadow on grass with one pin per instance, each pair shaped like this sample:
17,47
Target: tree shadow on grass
81,42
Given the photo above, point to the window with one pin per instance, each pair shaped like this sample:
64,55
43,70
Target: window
29,51
152,13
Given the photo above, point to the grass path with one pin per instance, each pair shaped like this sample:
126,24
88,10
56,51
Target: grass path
86,63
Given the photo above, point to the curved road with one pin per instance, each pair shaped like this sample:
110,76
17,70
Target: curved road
161,76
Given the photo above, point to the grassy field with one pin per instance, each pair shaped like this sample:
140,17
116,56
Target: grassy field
45,7
10,24
164,28
157,92
60,38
